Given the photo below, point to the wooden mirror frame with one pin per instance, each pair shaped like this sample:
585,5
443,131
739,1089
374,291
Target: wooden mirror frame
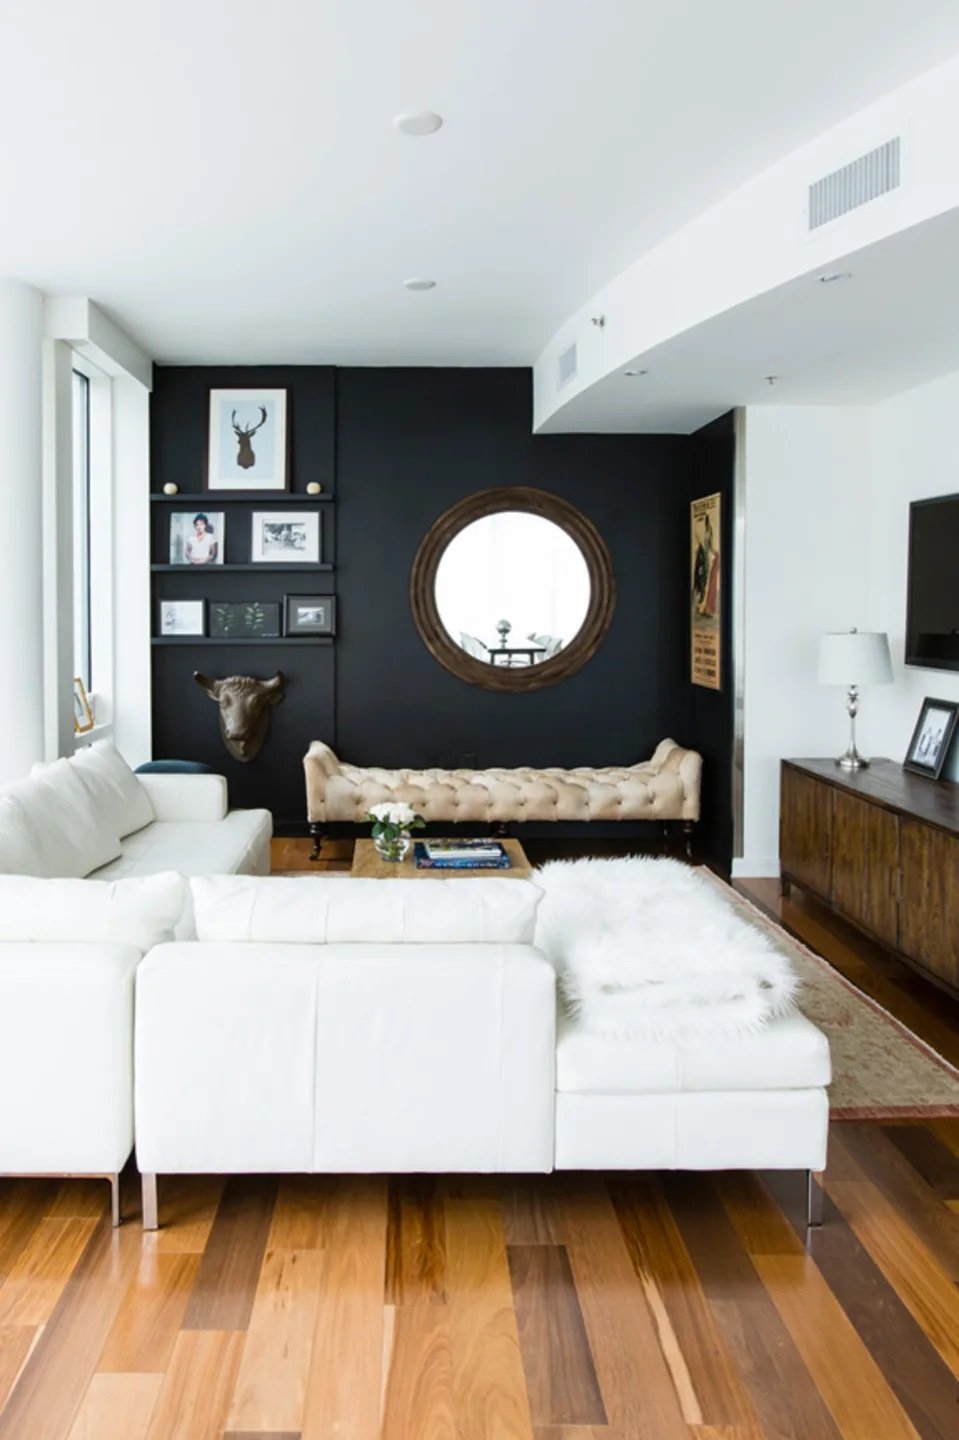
602,590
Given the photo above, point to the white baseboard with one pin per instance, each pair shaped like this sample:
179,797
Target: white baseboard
756,867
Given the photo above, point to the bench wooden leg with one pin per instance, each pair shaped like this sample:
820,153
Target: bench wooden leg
316,831
689,827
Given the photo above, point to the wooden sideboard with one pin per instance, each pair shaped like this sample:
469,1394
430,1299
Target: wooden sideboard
881,848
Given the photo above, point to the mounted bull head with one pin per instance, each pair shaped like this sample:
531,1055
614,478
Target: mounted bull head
245,704
245,457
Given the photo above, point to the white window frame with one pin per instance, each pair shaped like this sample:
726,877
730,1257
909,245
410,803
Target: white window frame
102,606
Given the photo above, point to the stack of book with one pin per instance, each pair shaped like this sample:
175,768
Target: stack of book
460,855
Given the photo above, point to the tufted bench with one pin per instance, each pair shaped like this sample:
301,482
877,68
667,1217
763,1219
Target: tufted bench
663,788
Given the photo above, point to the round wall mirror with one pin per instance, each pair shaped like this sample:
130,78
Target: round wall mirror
512,589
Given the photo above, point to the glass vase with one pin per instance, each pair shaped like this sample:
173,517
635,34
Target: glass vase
393,847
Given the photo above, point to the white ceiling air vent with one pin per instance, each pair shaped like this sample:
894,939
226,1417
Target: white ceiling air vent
854,184
566,367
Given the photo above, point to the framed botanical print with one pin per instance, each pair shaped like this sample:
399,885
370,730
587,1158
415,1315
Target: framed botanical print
244,620
248,440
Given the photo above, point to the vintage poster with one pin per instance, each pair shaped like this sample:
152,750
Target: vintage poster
706,600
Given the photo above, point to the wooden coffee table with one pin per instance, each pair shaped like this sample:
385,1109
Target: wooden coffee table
368,866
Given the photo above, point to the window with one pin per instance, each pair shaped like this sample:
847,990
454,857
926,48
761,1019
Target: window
82,608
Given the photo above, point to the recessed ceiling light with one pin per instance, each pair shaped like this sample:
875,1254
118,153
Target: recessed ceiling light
635,372
834,276
420,284
418,122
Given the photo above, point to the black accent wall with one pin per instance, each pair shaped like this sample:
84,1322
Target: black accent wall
397,447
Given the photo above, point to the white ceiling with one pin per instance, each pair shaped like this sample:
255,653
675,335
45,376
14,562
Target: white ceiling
225,180
893,325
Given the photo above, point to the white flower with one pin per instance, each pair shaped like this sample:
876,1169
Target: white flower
393,813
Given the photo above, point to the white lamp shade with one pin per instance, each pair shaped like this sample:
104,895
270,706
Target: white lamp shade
854,657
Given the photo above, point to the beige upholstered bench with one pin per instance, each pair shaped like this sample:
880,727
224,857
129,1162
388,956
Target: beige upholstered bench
663,788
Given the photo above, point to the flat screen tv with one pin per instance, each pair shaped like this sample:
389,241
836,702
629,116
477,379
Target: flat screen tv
932,604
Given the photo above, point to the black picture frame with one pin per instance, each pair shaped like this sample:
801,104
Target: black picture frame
243,619
320,626
931,739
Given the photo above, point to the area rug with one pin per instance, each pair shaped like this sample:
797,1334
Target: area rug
881,1070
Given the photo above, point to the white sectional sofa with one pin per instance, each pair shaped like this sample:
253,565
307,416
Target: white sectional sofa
238,1023
69,951
92,816
354,1025
70,942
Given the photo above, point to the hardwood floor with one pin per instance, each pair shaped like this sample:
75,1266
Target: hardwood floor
563,1307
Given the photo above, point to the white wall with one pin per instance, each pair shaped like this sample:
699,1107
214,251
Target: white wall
21,494
912,456
827,494
806,499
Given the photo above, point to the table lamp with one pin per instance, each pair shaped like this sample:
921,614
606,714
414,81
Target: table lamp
853,658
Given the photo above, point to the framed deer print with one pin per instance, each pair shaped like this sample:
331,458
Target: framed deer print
248,442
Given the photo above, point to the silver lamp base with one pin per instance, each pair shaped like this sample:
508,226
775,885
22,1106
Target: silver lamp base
851,758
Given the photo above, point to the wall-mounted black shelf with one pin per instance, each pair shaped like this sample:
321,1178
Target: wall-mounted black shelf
242,640
212,498
289,567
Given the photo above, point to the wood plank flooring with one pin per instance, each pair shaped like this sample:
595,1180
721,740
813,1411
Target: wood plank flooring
563,1307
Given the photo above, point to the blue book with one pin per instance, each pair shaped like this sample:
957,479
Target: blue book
424,861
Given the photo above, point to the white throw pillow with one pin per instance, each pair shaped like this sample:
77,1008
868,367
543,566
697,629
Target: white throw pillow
323,910
21,847
113,787
69,834
143,912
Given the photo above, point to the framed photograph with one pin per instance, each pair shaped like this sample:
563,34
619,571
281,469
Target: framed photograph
281,538
705,626
932,737
311,614
244,620
196,537
248,442
82,712
182,617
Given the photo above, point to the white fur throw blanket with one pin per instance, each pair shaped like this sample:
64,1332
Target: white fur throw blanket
651,949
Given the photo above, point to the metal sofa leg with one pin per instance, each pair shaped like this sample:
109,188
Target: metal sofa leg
114,1199
148,1189
814,1201
688,828
316,831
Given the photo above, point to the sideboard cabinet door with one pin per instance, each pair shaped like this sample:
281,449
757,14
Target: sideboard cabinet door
806,830
865,865
929,912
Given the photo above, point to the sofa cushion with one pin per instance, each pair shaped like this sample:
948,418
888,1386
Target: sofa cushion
240,842
328,910
113,788
61,833
789,1054
142,912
